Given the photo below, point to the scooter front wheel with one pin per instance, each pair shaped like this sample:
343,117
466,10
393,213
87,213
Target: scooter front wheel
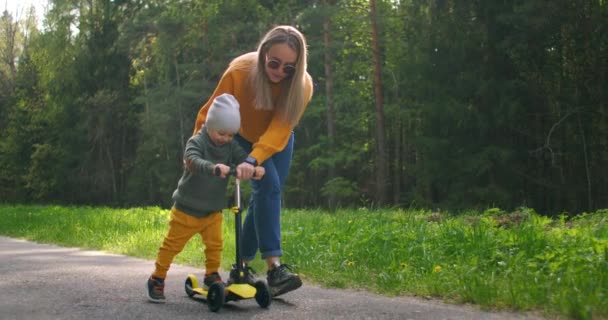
216,297
262,294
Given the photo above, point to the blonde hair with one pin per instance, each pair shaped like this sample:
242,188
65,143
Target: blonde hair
294,96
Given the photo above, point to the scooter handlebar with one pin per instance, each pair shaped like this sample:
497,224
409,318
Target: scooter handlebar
232,172
217,172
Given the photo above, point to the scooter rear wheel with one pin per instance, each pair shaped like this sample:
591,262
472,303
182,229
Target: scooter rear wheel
262,294
215,297
189,285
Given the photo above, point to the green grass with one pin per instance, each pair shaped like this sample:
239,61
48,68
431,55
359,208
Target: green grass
515,261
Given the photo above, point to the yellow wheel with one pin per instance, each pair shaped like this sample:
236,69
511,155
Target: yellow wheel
191,283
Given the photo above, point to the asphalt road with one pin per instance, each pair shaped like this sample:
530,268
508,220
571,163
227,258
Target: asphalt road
39,281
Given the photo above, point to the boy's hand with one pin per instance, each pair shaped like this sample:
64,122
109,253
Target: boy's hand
259,173
224,170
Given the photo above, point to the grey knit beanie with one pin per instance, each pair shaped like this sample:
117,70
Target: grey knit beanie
224,115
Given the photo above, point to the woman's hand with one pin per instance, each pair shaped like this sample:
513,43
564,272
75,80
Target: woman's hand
244,171
259,173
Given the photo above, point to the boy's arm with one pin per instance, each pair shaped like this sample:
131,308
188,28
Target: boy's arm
193,156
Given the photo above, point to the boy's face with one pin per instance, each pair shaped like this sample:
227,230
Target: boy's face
220,137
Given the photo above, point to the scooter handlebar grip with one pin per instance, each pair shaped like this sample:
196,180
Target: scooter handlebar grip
232,172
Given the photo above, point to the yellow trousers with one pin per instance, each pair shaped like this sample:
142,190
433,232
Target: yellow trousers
182,227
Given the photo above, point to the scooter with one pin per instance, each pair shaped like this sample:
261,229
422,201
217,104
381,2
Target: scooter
218,293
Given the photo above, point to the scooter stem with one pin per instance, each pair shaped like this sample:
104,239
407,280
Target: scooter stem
238,228
238,193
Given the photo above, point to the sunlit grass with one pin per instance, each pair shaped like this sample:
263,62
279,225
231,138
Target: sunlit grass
498,260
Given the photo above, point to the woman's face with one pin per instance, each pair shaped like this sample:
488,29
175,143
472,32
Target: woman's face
280,62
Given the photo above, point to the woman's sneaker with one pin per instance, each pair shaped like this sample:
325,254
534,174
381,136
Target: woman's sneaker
281,280
247,277
211,279
156,288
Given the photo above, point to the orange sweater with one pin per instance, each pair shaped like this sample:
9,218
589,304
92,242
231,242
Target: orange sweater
264,129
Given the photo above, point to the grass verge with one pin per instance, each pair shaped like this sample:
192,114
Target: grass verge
498,260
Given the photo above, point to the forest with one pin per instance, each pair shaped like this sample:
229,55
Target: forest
443,104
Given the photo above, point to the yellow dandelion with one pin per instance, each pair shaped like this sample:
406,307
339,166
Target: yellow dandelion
437,268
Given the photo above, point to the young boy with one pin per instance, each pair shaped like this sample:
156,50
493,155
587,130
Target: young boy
201,195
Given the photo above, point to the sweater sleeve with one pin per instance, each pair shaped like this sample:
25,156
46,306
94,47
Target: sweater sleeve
277,134
273,140
194,157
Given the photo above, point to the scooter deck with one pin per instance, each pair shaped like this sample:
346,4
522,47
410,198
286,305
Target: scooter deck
243,291
200,291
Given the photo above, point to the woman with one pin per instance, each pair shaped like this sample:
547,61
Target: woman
273,89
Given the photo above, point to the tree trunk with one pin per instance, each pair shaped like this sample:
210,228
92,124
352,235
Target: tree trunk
330,114
179,107
381,159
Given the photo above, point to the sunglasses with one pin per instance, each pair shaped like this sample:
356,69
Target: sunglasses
288,69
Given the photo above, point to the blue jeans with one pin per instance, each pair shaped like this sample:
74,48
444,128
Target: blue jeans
262,226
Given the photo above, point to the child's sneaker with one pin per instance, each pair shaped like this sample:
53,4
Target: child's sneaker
156,288
248,277
281,280
211,279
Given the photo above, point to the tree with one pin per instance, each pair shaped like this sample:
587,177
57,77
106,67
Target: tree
9,50
476,104
382,161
